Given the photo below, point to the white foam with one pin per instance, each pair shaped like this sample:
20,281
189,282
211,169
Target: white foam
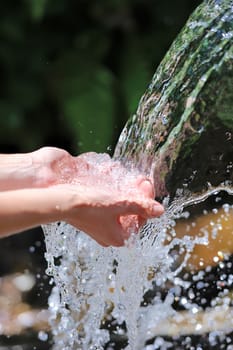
95,286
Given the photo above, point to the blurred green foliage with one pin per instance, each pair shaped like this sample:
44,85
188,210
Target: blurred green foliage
72,71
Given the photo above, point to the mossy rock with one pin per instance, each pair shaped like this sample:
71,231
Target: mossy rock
182,132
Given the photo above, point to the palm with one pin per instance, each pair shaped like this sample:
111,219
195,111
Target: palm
54,165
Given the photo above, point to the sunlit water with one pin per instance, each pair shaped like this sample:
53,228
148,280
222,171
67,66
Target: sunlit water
118,295
162,286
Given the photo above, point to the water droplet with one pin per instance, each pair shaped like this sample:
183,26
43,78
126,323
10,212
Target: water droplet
164,119
43,336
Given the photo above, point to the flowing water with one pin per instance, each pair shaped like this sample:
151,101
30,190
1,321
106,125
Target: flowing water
173,281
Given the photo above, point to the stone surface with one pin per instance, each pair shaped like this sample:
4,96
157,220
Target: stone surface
182,132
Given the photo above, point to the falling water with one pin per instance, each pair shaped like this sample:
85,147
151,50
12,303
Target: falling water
173,281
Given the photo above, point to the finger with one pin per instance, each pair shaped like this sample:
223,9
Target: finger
98,238
141,221
100,242
146,209
146,186
107,235
157,209
129,225
110,235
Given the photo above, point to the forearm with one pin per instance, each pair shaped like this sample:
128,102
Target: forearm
41,168
27,208
16,171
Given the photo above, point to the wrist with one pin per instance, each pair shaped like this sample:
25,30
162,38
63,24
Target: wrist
29,208
52,166
66,202
16,171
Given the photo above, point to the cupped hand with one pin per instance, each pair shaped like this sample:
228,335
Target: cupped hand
97,194
52,166
107,201
99,171
98,212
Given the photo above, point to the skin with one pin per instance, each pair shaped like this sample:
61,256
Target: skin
98,197
33,170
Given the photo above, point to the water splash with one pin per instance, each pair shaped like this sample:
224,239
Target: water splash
192,91
156,286
109,295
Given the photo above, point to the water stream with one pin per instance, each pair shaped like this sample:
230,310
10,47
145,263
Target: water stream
173,280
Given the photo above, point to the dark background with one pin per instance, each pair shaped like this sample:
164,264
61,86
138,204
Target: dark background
72,72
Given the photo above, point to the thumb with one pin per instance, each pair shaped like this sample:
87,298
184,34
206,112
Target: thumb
147,188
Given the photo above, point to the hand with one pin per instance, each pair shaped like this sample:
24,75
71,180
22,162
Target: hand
98,196
100,170
107,216
40,168
115,202
52,166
